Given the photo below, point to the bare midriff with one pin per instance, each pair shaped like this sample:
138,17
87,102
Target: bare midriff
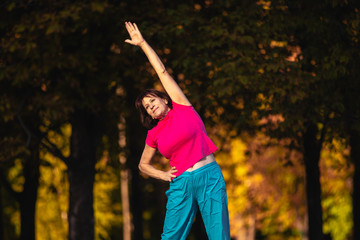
202,162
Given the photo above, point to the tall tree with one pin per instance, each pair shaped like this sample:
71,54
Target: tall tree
57,50
22,144
329,44
349,21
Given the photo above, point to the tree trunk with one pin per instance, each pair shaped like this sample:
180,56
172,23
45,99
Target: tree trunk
312,148
1,212
355,157
81,170
124,182
136,196
124,175
28,196
135,140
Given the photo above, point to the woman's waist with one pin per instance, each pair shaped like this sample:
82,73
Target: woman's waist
202,162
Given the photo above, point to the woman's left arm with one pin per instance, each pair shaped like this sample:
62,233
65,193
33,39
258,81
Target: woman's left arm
146,167
169,84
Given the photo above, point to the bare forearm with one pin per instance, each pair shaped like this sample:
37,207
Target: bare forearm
151,171
153,58
169,84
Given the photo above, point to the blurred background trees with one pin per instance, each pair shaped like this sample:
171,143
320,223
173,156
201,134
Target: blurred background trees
276,83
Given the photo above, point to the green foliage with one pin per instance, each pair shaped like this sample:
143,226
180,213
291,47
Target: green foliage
10,217
336,182
266,189
338,221
52,201
260,198
107,206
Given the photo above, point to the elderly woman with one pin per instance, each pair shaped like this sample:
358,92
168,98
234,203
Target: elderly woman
177,131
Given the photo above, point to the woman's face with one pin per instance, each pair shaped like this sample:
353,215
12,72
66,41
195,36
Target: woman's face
155,106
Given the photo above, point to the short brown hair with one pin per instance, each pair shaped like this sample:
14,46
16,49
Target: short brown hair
146,120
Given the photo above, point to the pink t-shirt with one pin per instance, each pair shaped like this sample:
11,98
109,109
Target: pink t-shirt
181,137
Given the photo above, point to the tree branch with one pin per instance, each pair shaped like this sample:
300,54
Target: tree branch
54,150
28,133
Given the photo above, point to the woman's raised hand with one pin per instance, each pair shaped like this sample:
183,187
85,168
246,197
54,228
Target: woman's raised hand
135,35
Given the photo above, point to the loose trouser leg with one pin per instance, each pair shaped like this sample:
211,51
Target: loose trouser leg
180,210
212,199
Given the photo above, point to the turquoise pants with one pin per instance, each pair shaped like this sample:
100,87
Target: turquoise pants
203,189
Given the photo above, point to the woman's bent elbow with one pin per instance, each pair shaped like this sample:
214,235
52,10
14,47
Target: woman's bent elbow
141,167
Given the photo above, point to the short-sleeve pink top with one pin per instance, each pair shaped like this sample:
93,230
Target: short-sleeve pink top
181,137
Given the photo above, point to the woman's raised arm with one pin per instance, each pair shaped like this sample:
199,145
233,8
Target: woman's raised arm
169,84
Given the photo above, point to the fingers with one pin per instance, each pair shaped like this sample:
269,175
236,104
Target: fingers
135,27
129,41
170,174
169,178
129,26
173,170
